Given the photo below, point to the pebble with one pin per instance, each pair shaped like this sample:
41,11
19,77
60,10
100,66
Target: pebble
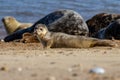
52,62
97,70
74,74
34,75
3,69
51,78
70,69
19,69
2,40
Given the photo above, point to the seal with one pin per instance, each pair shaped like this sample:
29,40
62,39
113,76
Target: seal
66,21
12,25
29,38
112,31
100,21
62,40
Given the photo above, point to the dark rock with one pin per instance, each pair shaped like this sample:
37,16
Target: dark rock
100,21
67,21
110,32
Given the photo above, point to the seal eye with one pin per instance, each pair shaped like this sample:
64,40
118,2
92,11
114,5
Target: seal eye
9,18
41,29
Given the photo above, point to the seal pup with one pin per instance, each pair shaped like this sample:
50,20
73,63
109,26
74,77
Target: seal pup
63,20
62,40
29,38
12,25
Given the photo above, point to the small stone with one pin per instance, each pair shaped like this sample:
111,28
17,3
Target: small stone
70,69
52,62
66,78
51,78
3,68
74,74
2,40
19,69
97,70
34,75
105,52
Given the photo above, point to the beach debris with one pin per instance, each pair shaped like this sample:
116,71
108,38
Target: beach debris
97,70
34,75
2,40
70,69
74,74
19,69
52,62
104,52
3,68
51,78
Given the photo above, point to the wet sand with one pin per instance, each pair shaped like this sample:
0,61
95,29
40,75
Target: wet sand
19,61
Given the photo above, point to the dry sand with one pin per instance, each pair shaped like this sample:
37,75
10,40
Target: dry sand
19,61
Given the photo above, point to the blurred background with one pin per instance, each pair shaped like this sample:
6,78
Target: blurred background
33,10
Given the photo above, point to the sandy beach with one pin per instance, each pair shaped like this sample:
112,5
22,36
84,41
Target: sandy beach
29,61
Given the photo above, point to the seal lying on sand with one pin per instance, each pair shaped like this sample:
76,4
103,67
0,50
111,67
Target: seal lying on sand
66,21
29,38
12,25
100,21
110,32
62,40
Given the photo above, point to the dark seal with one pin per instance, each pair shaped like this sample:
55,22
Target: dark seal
100,21
66,21
112,31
